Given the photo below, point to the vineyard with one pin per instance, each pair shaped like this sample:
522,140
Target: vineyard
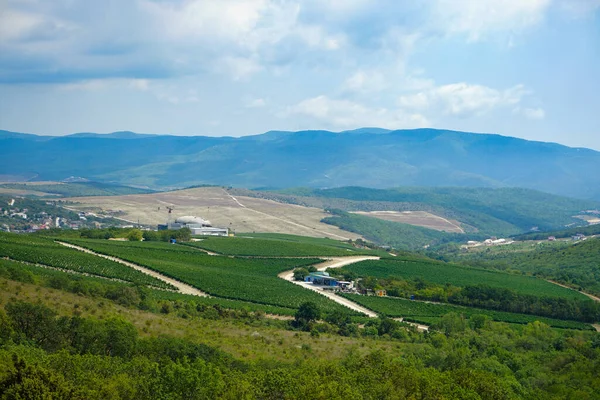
44,251
442,273
95,286
240,246
429,313
247,279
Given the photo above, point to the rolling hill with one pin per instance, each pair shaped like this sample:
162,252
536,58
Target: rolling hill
368,157
500,212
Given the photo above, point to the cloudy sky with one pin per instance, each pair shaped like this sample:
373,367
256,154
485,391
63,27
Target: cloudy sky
525,68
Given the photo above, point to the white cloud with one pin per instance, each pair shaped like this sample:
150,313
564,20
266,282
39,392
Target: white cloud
531,113
365,81
255,103
478,18
349,114
462,99
140,84
239,68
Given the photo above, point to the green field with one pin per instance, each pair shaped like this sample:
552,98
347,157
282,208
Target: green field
246,246
428,312
39,250
442,273
572,263
247,279
95,286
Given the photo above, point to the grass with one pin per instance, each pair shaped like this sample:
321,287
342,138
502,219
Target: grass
428,313
245,339
442,273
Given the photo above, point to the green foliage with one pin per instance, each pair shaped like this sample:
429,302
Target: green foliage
502,211
300,274
247,279
127,294
40,250
563,233
307,314
496,362
448,273
135,235
395,234
241,246
576,265
431,312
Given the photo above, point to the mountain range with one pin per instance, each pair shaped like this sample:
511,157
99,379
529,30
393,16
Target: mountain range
370,157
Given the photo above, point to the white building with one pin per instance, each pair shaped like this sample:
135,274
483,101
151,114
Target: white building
198,226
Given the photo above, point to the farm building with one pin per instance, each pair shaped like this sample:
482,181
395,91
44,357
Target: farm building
197,225
321,278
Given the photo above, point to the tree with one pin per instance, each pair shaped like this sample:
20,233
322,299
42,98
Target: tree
300,274
307,313
35,322
34,382
183,235
135,235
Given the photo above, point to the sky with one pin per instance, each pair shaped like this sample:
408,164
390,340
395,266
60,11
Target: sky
524,68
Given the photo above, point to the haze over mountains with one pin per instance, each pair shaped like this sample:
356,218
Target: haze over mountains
370,157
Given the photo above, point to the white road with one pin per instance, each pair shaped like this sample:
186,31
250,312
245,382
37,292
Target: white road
182,287
336,262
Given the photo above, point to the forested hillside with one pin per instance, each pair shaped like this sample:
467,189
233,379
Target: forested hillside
484,211
366,157
577,265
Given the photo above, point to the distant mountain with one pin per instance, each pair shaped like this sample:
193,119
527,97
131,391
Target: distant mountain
370,157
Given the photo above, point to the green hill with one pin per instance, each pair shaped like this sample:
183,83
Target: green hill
367,157
577,265
485,211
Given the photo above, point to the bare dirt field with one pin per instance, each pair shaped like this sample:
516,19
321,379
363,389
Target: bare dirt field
418,218
242,214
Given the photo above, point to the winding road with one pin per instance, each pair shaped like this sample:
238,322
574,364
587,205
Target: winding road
182,287
335,262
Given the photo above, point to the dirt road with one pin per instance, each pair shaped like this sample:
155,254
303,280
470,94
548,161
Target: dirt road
182,287
591,296
335,262
339,237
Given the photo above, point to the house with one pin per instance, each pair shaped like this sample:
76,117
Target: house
346,285
579,236
321,278
551,238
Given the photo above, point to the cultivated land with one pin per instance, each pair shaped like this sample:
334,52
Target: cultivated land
249,247
429,313
442,273
240,213
418,218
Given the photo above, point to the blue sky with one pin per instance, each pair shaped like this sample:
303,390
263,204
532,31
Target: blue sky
525,68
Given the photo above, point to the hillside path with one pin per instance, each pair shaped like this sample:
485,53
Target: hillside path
283,220
334,262
591,296
182,287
